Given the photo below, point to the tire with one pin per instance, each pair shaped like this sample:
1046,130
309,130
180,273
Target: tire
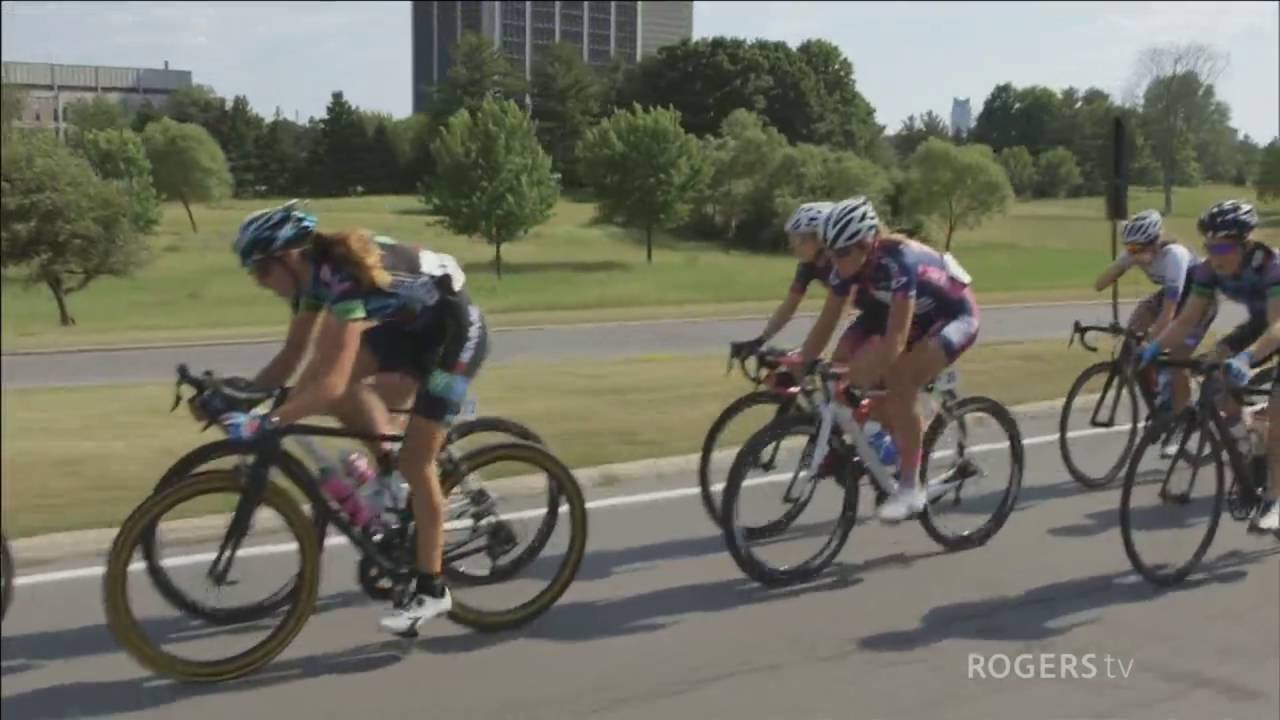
570,493
1149,442
705,482
1005,420
1091,481
128,632
6,576
736,537
186,469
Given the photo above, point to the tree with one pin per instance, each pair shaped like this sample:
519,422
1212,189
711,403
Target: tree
1268,183
644,168
13,98
912,133
959,186
996,124
1176,78
279,151
62,225
99,113
384,160
493,179
342,152
1021,169
1248,154
186,164
743,175
146,114
566,102
845,118
242,127
1056,173
120,157
478,71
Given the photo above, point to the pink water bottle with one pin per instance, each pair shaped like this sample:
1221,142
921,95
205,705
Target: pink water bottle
337,487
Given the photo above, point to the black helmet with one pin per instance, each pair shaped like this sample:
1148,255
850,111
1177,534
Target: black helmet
1228,219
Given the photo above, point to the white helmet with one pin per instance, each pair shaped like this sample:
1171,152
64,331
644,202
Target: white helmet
850,222
1143,228
808,218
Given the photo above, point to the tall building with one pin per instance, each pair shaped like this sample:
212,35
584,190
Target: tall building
961,116
604,29
50,89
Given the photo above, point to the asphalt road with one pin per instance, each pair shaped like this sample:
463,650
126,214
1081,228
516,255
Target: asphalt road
600,341
660,623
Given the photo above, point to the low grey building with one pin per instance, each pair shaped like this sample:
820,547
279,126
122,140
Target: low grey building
50,88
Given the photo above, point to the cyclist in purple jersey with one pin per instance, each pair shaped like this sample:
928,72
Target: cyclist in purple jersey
918,316
1169,265
1246,272
802,230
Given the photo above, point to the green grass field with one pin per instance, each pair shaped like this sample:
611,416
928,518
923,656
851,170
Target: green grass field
569,269
75,458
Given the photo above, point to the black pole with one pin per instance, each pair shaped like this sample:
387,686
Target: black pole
1117,202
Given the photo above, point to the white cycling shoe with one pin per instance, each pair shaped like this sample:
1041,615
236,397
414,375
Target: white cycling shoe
404,620
905,502
1268,518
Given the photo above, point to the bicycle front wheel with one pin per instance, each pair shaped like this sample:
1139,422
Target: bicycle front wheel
1167,503
1102,401
726,435
126,611
777,552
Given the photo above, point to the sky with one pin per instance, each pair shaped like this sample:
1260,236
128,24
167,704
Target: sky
908,57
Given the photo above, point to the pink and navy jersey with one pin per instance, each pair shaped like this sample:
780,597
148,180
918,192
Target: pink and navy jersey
807,272
908,270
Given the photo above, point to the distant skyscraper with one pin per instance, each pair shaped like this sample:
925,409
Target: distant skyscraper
961,116
604,29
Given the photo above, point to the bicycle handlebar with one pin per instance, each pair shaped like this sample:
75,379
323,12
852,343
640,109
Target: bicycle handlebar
1115,329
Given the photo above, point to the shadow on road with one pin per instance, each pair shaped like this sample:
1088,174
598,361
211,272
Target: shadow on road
96,699
26,652
1050,610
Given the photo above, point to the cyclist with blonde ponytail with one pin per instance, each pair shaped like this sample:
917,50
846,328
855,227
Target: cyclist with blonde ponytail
366,306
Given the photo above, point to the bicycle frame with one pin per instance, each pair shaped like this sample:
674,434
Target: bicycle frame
941,391
1122,364
1207,412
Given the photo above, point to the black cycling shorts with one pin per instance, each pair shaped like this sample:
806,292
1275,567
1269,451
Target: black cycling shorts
443,356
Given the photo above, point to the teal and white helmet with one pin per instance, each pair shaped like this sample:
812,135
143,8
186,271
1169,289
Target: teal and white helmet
272,231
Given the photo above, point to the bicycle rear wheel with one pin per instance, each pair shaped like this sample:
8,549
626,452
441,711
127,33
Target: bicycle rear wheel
1175,490
988,444
128,628
1115,407
481,540
789,440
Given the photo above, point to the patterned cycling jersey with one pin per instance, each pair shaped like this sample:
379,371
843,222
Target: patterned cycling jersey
1171,269
1257,282
907,270
807,272
419,279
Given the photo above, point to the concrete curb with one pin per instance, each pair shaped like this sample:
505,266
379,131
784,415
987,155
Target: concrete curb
42,550
512,328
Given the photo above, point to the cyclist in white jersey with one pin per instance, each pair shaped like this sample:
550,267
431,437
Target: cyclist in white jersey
1169,265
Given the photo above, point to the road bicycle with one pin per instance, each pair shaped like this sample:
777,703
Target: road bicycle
1122,388
840,451
214,396
1204,423
391,550
775,390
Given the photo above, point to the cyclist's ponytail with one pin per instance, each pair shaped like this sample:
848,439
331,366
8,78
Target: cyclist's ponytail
354,251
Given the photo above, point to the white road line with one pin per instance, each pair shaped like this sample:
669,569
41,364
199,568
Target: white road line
621,501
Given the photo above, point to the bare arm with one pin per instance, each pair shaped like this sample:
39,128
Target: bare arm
286,362
1111,274
786,310
1195,309
823,327
1167,313
329,371
1270,340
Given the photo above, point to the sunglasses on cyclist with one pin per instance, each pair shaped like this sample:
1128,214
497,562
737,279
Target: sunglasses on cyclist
1221,247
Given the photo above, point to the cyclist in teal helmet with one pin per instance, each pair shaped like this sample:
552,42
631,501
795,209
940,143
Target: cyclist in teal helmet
368,305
